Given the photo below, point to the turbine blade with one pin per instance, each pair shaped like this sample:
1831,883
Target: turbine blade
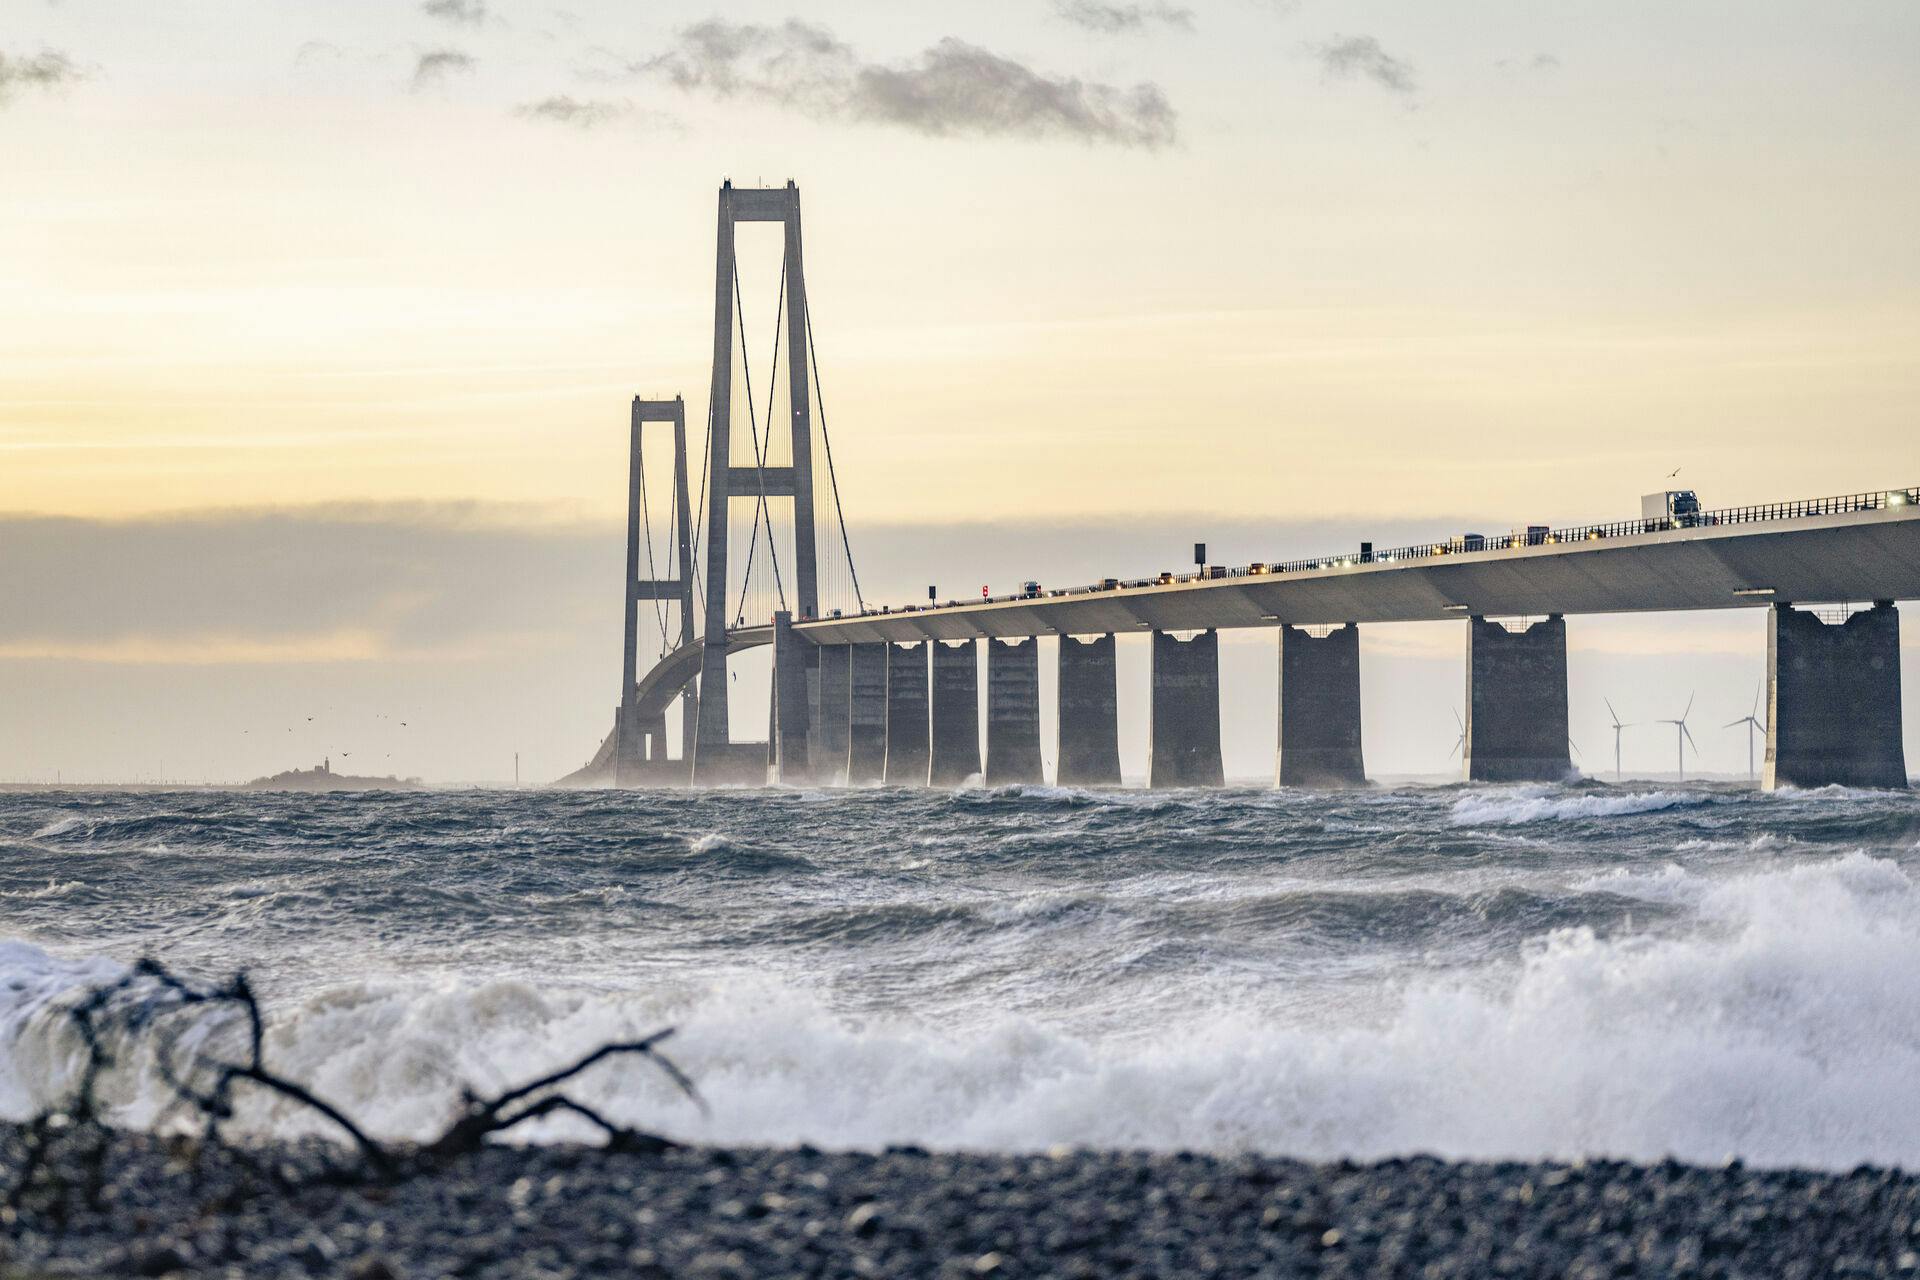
1734,723
1691,742
1689,710
1610,710
1458,721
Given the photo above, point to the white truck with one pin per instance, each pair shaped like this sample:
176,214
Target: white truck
1673,509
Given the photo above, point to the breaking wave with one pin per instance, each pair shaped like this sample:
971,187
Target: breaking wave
1470,972
1785,1030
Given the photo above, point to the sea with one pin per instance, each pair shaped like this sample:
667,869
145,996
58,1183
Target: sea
1582,971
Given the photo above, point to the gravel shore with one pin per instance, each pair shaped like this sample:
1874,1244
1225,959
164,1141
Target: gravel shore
573,1211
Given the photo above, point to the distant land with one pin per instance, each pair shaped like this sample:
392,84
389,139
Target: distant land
322,778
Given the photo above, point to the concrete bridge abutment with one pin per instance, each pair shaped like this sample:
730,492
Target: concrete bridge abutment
907,723
1184,730
866,713
1089,702
1013,712
1320,709
1833,700
955,750
1516,727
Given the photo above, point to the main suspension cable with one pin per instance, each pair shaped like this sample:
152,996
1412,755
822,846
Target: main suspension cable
759,452
820,404
646,524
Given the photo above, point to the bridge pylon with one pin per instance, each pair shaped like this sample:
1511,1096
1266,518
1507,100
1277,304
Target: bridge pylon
715,760
639,741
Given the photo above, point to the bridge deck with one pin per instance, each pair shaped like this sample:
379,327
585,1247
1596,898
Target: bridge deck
1849,556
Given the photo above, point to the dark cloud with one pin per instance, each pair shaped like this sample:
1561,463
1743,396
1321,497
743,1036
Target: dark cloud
1122,19
469,13
580,113
44,70
950,89
1362,58
436,65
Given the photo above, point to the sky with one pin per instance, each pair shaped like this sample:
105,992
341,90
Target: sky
318,324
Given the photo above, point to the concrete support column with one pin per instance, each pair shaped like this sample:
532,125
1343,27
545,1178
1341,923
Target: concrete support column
629,747
1517,702
831,725
1185,727
956,714
906,715
1320,709
1013,712
1833,700
867,713
787,739
1089,714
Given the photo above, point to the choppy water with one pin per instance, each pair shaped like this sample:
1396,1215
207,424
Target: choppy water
1528,971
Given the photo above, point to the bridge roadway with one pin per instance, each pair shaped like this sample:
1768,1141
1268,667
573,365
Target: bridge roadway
1847,556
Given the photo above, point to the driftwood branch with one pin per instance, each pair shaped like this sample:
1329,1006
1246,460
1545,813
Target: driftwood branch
143,1000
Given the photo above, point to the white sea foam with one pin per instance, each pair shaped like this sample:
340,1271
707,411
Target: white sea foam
52,889
1510,806
1782,1025
59,827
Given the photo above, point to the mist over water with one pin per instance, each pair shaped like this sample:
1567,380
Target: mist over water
1518,971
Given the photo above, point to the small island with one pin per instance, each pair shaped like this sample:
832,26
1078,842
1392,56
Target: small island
322,778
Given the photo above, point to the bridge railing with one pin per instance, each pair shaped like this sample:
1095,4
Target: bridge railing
1533,536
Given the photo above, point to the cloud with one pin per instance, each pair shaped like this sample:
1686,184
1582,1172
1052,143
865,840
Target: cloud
436,65
45,70
1361,57
470,13
1539,62
950,89
587,113
1121,19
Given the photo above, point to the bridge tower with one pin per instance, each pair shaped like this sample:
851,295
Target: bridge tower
637,744
714,759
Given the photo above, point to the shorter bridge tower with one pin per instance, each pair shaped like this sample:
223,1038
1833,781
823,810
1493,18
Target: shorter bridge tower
640,743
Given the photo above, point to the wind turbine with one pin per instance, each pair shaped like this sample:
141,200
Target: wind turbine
1752,721
1460,741
1617,727
1683,735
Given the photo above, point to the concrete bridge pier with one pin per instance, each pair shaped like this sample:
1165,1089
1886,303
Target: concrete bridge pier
1320,709
795,685
907,723
1089,714
1013,712
955,714
866,713
831,720
1833,700
1517,702
1184,731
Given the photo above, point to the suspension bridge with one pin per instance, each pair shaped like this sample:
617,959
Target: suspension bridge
865,692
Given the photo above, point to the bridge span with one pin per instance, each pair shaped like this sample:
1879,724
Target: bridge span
895,694
1833,710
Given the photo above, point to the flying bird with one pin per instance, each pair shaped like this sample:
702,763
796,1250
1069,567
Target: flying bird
1671,474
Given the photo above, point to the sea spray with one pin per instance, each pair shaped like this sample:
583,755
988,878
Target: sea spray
1696,972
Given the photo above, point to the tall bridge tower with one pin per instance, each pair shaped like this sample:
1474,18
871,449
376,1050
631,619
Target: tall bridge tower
757,482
